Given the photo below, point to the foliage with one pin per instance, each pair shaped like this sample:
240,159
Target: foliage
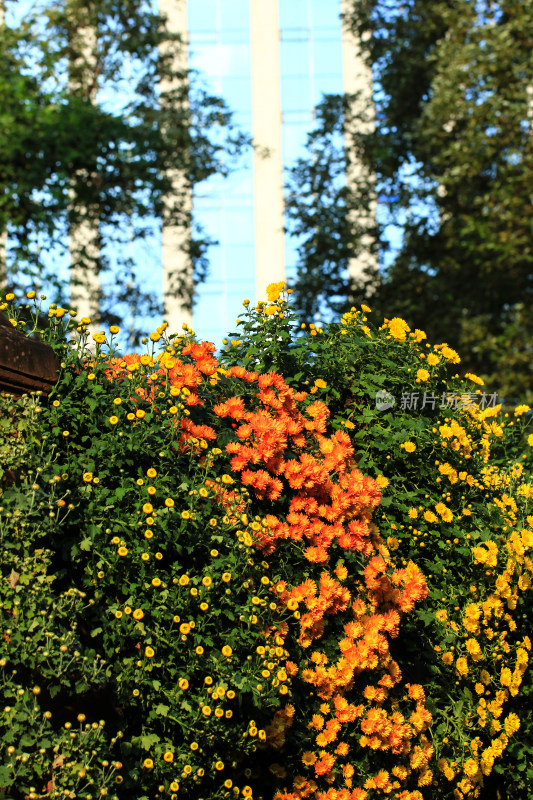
452,160
451,464
319,206
99,117
249,577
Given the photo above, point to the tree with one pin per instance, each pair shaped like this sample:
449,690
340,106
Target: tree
319,203
452,154
93,128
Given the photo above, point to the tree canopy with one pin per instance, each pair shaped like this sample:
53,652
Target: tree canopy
97,116
452,160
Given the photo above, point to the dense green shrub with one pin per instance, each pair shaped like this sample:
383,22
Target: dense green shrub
203,596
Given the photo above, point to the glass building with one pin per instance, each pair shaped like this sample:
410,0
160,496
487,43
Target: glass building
271,60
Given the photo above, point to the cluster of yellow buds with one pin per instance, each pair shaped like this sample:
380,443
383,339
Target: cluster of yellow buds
156,335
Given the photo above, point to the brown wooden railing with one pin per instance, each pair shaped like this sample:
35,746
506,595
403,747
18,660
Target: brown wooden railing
26,365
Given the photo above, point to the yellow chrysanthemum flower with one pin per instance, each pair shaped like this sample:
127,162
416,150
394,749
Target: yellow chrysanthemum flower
472,645
475,379
461,665
274,290
409,447
448,353
398,328
511,724
444,512
471,767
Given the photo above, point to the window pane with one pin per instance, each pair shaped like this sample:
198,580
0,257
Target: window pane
234,15
293,13
237,92
239,226
219,59
294,137
202,14
327,58
240,264
296,93
294,57
325,13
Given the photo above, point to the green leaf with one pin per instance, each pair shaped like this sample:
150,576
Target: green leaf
148,740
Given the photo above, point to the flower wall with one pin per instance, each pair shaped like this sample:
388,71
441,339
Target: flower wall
244,577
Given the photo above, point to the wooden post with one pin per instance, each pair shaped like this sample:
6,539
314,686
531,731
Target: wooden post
26,365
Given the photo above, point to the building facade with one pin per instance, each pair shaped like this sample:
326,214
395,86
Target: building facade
271,60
